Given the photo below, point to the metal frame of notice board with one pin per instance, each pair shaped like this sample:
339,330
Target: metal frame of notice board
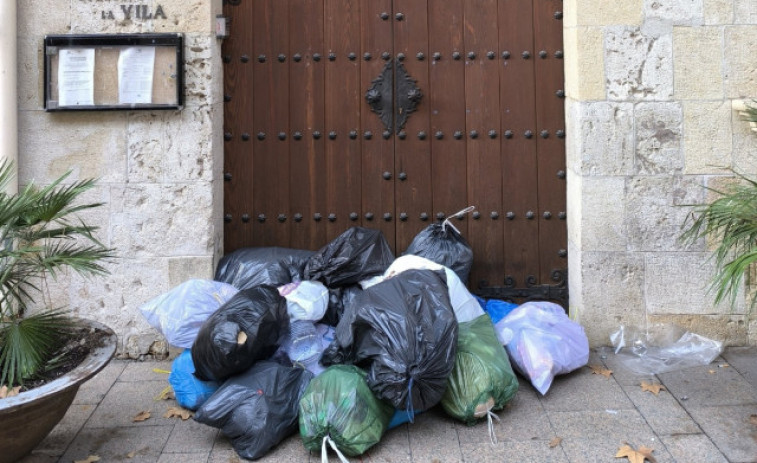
112,72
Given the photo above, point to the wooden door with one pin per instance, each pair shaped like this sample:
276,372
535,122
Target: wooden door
308,155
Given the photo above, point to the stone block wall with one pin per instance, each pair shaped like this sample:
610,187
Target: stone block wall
652,87
159,171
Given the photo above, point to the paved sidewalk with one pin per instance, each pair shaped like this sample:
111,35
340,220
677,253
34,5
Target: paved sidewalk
706,414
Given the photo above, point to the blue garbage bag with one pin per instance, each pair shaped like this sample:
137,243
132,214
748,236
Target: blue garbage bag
190,392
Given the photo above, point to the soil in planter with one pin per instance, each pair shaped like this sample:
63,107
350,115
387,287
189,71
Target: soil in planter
83,341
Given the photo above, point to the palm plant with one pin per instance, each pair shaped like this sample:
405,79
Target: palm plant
40,235
731,221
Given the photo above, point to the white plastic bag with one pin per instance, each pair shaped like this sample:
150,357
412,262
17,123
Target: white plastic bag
179,313
306,351
306,300
464,304
543,342
661,348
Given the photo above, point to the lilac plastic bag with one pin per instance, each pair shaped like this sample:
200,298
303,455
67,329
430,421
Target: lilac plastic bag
543,342
180,313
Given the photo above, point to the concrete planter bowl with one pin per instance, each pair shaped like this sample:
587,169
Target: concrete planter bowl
29,417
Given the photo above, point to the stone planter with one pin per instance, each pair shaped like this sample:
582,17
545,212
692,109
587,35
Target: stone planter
29,417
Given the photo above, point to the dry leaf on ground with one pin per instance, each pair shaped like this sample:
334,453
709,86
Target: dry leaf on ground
636,456
600,370
555,442
141,416
654,388
131,454
753,419
166,394
7,393
90,459
178,412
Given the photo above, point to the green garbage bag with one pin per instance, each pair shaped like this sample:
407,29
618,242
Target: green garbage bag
340,410
482,379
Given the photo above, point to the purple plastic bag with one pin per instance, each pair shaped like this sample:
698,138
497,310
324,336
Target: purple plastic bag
543,342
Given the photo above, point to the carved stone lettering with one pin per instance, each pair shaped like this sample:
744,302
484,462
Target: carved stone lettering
136,12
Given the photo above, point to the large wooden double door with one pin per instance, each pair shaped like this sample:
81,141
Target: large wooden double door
395,114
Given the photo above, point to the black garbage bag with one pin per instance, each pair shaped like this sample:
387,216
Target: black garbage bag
339,298
355,255
242,331
258,408
403,332
339,406
250,267
442,243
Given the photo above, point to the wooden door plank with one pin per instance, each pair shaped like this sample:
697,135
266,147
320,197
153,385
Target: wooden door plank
271,117
412,173
307,61
237,194
377,151
447,110
550,117
342,115
520,172
483,153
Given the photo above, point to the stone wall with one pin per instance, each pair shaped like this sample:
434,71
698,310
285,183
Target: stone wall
652,87
159,171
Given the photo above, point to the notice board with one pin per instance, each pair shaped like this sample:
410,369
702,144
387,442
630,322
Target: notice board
116,71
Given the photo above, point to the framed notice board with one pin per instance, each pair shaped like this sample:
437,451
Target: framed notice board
111,72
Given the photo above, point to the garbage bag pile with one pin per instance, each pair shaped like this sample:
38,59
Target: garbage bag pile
342,344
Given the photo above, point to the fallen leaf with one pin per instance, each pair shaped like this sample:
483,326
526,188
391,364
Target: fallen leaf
6,393
131,454
753,419
178,412
636,456
166,394
654,388
555,442
90,459
723,365
141,416
712,372
600,370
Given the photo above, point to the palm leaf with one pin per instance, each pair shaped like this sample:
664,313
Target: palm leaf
40,234
25,344
731,221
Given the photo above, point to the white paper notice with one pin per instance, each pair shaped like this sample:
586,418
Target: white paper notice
135,69
76,76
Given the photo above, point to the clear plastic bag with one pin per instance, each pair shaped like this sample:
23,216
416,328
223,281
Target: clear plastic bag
306,300
661,348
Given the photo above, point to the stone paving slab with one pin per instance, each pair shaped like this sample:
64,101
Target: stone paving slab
126,400
731,429
584,390
711,385
662,412
133,444
744,361
693,447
